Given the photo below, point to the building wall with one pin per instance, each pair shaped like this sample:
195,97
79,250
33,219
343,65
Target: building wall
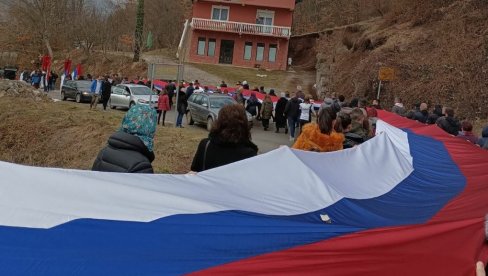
239,43
245,14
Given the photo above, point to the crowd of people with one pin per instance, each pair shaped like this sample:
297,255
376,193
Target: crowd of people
335,125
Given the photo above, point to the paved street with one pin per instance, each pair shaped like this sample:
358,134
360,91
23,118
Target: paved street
265,140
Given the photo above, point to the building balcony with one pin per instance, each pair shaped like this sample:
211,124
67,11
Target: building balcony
240,28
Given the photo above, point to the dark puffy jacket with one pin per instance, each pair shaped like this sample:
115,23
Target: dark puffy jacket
125,153
421,116
292,109
449,125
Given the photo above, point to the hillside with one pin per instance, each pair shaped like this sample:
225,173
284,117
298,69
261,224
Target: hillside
439,50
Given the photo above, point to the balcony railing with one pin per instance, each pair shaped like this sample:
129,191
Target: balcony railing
240,28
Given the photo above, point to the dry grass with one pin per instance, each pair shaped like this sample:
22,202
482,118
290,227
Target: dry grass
69,135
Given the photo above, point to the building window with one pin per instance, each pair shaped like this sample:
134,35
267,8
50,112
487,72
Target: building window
211,47
201,46
248,50
260,52
272,52
220,13
265,18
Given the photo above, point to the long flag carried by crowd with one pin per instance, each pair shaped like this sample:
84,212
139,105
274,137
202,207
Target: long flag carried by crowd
411,201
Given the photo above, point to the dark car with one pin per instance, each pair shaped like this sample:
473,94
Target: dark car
204,108
79,90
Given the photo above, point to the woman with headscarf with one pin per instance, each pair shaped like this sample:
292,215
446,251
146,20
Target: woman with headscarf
130,150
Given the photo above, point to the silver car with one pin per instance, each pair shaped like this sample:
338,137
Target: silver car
128,95
204,108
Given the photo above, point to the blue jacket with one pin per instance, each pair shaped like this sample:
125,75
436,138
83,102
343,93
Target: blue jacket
93,87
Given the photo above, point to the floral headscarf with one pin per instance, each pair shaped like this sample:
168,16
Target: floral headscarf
141,121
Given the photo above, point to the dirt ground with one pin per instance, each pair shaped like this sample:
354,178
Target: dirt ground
64,135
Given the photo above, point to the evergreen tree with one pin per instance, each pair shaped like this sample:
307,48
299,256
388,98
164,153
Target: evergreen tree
139,30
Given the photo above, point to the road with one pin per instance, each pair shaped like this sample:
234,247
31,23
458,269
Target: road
265,140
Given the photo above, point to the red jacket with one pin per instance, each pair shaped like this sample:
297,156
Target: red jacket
163,103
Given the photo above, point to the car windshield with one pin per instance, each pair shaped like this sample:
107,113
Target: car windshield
141,90
220,102
84,85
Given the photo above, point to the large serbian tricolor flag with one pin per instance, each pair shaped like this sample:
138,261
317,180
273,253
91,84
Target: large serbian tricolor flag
411,201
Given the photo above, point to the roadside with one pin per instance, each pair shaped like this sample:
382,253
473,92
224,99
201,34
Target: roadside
265,140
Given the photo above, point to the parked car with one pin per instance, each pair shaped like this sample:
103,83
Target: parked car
204,108
127,95
79,90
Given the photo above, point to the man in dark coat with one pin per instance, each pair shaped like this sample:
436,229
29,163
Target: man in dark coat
280,118
106,92
292,112
448,123
422,115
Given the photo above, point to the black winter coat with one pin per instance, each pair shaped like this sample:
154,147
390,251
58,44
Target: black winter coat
220,153
106,90
125,153
182,104
449,125
280,112
292,109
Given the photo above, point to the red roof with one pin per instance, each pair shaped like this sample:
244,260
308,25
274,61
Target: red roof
282,4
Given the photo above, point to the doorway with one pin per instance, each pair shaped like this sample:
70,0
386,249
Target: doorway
226,51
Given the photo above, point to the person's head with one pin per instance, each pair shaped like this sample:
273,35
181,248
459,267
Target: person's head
307,99
226,91
398,100
376,102
343,123
342,98
438,110
423,107
283,94
326,120
354,103
223,82
272,92
363,103
466,126
190,84
231,125
357,115
449,112
141,121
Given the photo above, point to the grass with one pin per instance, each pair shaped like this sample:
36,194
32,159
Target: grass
69,135
255,77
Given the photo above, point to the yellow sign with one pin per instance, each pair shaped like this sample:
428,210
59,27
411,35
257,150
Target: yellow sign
386,74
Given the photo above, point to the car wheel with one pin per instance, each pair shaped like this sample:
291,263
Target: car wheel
191,120
209,123
78,98
131,104
110,104
63,96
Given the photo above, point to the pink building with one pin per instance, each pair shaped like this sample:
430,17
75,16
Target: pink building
247,33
